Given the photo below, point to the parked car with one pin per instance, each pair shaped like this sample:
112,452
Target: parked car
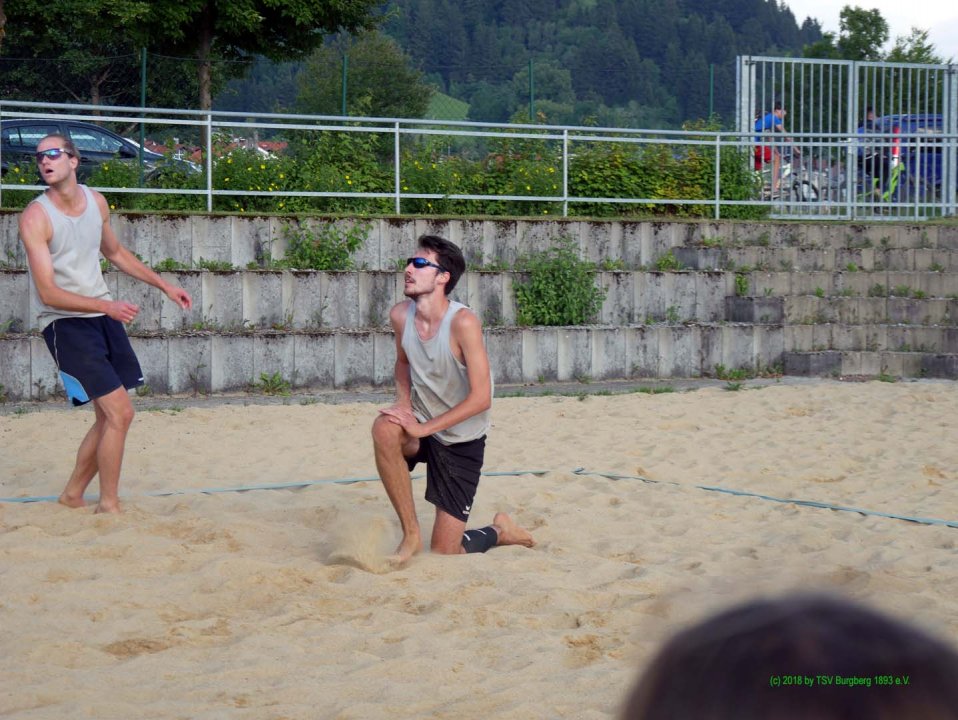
914,142
19,138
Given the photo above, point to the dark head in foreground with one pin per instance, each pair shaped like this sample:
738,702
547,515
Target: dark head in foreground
799,658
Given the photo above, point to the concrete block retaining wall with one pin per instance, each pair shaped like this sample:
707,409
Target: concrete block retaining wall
205,362
631,244
818,298
307,300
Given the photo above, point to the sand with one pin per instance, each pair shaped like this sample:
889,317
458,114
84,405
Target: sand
278,603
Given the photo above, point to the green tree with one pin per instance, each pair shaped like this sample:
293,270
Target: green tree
380,79
861,35
550,82
275,29
73,51
95,43
269,87
915,48
491,103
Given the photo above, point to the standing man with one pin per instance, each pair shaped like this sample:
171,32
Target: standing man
772,123
441,413
63,231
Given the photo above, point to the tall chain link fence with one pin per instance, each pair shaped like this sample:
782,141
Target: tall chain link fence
357,83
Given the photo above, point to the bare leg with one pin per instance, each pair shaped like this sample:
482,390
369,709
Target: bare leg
86,467
447,534
390,442
117,412
510,533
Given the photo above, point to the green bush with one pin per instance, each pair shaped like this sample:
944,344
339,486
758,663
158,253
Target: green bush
119,175
340,161
326,247
559,289
248,170
343,162
115,173
24,173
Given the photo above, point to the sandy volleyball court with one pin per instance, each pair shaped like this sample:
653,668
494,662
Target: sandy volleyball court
277,603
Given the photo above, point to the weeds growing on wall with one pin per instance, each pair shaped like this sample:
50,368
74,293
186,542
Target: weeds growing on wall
559,288
322,246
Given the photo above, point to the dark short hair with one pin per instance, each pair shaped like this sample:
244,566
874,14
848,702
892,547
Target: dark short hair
742,664
65,142
449,256
778,105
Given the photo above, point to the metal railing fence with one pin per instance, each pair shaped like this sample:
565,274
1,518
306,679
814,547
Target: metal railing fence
405,166
899,118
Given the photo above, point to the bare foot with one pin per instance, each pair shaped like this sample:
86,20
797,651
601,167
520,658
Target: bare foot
71,502
107,508
410,545
510,533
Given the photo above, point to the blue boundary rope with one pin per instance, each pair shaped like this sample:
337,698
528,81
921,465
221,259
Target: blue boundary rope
268,486
512,473
771,498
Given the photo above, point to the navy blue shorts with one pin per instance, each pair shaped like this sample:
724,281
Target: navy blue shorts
93,355
452,473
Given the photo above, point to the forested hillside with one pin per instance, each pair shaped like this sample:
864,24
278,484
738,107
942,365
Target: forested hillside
616,63
645,61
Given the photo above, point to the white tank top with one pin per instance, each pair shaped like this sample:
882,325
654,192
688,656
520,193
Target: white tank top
439,380
75,250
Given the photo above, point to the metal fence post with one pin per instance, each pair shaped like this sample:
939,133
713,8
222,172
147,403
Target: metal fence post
396,173
949,164
718,174
345,75
565,173
209,163
532,95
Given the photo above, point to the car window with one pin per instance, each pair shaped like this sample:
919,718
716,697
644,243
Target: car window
91,140
27,136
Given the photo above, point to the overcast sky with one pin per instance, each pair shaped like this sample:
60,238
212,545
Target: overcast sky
939,17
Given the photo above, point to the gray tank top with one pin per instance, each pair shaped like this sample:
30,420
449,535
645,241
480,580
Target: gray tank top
75,249
439,380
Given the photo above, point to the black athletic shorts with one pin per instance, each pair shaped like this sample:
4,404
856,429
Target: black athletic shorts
93,355
452,473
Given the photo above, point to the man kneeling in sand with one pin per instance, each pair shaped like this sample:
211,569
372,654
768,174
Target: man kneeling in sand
441,413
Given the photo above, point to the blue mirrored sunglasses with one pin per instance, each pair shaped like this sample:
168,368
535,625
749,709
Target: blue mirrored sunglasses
53,153
419,263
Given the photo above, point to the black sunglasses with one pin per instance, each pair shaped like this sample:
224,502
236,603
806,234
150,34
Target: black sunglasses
419,263
53,153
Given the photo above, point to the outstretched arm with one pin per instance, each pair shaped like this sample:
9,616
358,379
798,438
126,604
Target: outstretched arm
126,261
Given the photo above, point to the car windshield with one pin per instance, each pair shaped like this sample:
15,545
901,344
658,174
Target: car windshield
90,140
27,136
